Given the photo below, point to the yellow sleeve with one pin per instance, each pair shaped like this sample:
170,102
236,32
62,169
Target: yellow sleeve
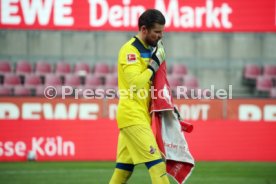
134,72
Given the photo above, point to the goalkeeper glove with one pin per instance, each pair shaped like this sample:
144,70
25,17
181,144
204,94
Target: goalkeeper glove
158,56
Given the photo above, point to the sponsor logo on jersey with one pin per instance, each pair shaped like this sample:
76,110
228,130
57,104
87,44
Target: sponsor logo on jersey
131,58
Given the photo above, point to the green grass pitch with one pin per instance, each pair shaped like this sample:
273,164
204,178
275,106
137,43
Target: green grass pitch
100,173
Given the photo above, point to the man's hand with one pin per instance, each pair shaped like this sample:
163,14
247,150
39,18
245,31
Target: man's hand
158,56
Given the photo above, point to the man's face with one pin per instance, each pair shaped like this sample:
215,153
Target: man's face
154,34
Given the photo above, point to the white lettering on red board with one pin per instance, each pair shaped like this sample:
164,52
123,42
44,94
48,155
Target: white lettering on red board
112,111
176,15
9,148
36,111
41,146
117,15
37,11
124,14
250,112
188,112
52,146
194,112
188,17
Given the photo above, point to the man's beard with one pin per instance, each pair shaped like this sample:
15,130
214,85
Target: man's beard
150,42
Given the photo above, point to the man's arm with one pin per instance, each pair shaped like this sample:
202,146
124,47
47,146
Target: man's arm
134,77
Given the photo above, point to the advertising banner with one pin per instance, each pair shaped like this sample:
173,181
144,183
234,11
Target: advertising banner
85,129
122,15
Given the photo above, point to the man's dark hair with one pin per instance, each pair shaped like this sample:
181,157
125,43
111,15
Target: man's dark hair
151,17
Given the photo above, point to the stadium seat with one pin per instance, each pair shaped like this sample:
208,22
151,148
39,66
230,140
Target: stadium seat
250,74
41,90
101,69
72,80
93,80
111,85
273,92
114,69
4,91
23,67
264,84
111,80
43,68
81,69
52,80
32,80
11,80
87,91
179,69
191,83
63,68
269,71
21,91
174,81
5,67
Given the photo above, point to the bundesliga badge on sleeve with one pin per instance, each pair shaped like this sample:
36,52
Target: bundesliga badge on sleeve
131,58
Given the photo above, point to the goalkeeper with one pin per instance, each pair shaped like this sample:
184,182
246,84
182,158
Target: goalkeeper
138,60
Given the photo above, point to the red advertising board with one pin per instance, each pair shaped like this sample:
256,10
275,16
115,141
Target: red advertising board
233,141
83,129
54,109
252,110
121,15
58,139
200,110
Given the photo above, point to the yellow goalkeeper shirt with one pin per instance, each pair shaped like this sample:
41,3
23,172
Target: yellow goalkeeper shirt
134,84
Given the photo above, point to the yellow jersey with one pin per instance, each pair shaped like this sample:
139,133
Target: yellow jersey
134,84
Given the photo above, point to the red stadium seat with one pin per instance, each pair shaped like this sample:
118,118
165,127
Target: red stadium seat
81,69
251,71
23,67
63,68
5,67
179,69
32,80
250,74
191,84
190,81
21,91
93,80
52,80
114,69
269,71
273,92
101,68
87,91
72,80
174,81
4,91
111,80
264,84
111,85
42,91
43,68
11,80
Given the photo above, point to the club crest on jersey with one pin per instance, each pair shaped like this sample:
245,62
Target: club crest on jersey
152,150
131,58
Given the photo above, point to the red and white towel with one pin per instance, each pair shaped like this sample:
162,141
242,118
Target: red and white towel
170,139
